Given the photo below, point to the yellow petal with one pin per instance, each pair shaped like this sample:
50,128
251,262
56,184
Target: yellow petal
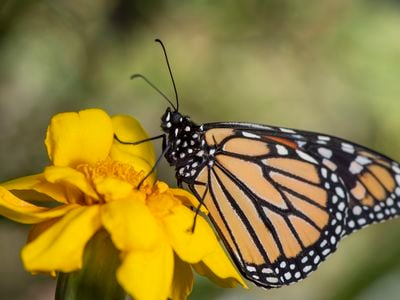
39,184
24,212
130,223
71,178
141,156
147,275
219,269
112,188
182,282
83,137
187,199
37,229
128,129
190,246
61,246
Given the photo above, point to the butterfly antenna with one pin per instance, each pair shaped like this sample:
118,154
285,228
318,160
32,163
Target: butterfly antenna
154,87
170,73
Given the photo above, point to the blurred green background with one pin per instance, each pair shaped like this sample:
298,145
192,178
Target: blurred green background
329,66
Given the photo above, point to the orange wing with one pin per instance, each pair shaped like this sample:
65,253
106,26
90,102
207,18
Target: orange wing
275,206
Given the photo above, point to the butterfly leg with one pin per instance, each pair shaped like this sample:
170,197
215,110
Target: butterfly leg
164,146
161,136
197,211
154,166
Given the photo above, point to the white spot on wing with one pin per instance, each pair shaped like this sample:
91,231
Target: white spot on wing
326,252
325,152
355,168
287,130
357,210
362,160
347,148
250,135
301,143
396,169
324,138
307,269
281,150
341,206
397,178
251,268
287,275
361,221
339,191
317,259
306,157
267,271
272,279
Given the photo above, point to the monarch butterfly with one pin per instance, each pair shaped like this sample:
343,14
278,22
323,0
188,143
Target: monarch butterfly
280,199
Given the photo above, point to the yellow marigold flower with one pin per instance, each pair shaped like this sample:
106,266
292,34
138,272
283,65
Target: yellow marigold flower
94,181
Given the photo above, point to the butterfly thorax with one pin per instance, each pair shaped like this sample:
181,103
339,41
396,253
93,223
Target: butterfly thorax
185,144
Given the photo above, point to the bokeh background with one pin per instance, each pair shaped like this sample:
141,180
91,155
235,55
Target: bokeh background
329,66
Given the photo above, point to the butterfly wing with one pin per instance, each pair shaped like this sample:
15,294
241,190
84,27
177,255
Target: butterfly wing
281,200
371,179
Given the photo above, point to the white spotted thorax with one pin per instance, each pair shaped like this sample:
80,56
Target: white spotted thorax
186,146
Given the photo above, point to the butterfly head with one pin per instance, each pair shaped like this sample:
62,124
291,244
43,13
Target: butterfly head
172,119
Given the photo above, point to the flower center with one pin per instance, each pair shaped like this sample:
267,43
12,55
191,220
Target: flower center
111,170
161,202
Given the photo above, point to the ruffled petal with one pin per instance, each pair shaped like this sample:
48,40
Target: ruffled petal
219,269
112,188
147,275
182,282
141,156
190,246
39,228
61,246
128,129
131,224
38,184
73,180
24,212
83,137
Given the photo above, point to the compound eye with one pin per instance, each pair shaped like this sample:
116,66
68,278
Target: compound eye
176,117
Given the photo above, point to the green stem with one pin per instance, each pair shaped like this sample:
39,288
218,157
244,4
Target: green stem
96,280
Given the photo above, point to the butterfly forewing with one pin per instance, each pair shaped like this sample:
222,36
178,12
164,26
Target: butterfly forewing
371,180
